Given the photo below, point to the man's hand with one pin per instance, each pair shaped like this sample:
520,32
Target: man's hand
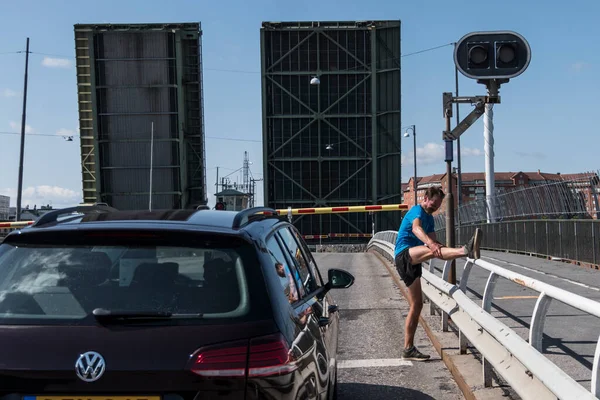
436,249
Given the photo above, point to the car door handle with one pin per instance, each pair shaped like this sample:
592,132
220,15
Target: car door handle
333,308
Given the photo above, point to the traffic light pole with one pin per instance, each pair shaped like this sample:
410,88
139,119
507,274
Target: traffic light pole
449,135
492,58
450,198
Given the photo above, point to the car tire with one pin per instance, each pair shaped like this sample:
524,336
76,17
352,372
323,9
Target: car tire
334,392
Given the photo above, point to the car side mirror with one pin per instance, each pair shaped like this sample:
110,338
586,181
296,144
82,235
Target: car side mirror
339,279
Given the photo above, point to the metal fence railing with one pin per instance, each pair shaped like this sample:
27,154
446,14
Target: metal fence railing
577,197
572,239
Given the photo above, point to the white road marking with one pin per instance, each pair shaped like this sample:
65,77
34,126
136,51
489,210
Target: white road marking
545,273
372,363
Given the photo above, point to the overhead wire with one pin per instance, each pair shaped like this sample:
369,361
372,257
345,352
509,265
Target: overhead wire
258,72
226,70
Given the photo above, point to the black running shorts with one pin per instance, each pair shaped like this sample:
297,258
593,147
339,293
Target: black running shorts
408,272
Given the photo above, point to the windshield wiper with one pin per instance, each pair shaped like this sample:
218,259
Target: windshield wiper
104,315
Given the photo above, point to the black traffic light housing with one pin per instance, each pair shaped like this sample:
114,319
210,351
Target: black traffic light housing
492,55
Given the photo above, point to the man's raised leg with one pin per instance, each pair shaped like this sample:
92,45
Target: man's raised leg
420,254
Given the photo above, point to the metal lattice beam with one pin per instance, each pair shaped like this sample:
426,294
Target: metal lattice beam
291,95
348,179
349,92
350,223
293,180
335,128
283,57
394,57
294,136
356,103
344,49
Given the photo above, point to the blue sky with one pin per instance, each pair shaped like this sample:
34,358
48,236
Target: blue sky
546,120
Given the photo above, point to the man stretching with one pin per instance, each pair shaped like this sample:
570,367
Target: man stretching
416,242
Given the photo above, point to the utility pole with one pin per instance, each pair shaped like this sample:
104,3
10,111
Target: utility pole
458,166
23,121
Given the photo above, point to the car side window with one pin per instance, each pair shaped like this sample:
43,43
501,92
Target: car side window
312,265
308,280
286,279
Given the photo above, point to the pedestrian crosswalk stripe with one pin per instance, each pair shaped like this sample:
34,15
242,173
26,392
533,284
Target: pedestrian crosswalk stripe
376,362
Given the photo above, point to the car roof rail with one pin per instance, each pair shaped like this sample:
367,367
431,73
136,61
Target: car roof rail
52,216
248,215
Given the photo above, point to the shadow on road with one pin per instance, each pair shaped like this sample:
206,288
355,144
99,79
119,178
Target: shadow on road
351,391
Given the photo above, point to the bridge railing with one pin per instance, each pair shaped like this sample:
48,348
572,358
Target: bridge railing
561,196
519,362
570,239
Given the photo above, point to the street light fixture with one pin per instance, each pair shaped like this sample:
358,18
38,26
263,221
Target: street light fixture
414,134
315,81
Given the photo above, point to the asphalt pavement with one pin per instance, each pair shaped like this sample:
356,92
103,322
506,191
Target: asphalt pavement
372,315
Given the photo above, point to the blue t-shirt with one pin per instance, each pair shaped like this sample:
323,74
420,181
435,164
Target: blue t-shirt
406,238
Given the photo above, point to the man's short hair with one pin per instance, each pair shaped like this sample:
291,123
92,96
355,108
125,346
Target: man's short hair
433,191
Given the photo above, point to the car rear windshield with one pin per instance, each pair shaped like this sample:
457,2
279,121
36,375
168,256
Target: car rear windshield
57,280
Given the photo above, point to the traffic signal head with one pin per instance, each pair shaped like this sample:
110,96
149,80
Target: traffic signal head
492,55
220,206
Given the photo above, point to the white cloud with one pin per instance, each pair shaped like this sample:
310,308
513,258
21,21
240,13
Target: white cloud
17,127
9,93
56,196
579,66
434,153
431,153
56,62
469,152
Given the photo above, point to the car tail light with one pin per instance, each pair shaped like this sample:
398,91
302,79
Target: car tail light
270,355
222,361
263,356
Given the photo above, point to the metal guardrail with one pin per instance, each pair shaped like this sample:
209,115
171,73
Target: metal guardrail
520,363
573,239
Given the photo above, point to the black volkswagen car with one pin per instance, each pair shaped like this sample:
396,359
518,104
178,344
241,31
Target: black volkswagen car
102,304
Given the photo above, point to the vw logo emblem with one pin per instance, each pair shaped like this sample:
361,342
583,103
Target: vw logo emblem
90,366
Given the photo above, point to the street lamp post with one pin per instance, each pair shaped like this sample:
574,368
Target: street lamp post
414,135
